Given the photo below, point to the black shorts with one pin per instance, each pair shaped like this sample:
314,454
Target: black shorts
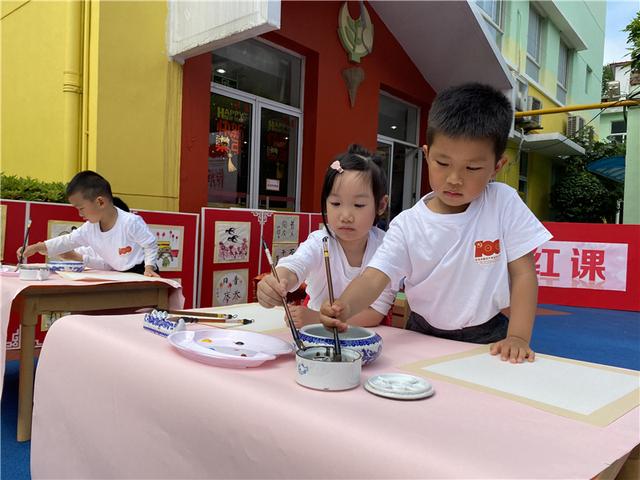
492,331
139,268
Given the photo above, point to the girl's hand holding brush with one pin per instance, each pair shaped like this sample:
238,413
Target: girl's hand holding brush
270,291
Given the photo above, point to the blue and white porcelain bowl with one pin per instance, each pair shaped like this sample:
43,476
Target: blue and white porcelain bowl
362,340
65,266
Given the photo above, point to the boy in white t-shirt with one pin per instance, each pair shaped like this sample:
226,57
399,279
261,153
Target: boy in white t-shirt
465,250
121,239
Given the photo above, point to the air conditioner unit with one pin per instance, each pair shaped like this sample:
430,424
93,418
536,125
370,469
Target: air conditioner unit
575,125
613,90
534,103
521,92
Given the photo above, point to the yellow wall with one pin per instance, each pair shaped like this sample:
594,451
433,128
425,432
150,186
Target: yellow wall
539,186
33,53
135,129
120,114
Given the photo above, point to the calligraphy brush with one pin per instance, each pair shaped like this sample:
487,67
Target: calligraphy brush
225,316
292,326
214,321
336,339
24,244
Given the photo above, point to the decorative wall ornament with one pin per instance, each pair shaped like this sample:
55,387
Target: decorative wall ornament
356,35
353,77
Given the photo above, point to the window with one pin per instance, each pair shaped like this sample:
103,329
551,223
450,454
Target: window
397,119
522,175
619,126
260,69
492,11
255,127
587,79
533,44
563,72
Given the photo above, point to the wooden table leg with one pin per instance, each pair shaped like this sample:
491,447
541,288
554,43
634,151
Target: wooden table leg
25,387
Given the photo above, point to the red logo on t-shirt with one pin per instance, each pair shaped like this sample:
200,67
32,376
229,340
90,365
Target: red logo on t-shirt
486,250
124,250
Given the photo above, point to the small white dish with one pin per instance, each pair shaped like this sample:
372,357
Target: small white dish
228,348
315,369
399,386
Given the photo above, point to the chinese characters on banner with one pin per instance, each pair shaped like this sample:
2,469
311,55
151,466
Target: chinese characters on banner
599,266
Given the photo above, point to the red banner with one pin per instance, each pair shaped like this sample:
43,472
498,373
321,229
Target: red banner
590,265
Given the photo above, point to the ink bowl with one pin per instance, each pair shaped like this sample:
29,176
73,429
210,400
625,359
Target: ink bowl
317,368
65,266
33,272
359,339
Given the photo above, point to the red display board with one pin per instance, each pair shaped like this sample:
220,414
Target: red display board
13,221
177,236
590,265
231,254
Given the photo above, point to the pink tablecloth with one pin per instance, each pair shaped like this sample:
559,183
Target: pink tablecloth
11,286
115,401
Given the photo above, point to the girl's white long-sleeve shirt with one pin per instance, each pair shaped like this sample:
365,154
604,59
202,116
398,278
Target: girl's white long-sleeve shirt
308,264
128,243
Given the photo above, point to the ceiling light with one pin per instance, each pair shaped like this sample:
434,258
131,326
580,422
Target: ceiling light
221,70
393,127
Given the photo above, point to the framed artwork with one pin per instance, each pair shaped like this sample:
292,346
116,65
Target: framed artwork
3,227
231,242
281,250
230,287
285,228
170,248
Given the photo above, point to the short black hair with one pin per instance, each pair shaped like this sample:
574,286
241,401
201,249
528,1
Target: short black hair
118,202
360,159
472,111
90,185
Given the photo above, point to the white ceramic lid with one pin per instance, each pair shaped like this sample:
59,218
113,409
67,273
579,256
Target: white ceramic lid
399,386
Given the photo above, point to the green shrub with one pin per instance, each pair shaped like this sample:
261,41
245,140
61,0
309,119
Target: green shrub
18,188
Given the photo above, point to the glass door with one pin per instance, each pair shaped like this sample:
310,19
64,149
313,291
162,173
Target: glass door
229,151
278,179
254,152
402,165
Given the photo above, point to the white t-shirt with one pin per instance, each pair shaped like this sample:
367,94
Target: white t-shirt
308,264
91,260
124,246
455,265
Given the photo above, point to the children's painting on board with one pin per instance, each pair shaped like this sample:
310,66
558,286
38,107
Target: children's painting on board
55,228
169,238
285,228
230,287
3,223
281,250
232,242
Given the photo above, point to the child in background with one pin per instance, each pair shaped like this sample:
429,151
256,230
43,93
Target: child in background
121,239
87,255
465,250
353,196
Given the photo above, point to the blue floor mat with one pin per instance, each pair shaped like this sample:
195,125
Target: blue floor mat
15,456
609,337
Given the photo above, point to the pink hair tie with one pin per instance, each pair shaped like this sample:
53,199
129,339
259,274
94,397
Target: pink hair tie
336,166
